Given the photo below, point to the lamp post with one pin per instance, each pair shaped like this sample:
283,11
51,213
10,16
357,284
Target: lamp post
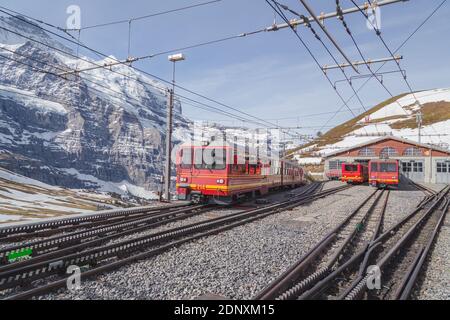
167,175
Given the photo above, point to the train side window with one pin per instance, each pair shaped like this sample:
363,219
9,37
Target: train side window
374,167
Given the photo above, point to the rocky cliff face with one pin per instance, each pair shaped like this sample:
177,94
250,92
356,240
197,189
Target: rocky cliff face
76,133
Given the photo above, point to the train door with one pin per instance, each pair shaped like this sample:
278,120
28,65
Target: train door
413,170
443,172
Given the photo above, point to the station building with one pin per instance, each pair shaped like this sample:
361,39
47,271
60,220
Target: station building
419,162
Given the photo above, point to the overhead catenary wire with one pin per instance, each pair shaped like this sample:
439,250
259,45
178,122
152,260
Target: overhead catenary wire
347,29
125,75
135,79
410,36
152,15
224,39
198,104
126,98
378,33
310,27
281,14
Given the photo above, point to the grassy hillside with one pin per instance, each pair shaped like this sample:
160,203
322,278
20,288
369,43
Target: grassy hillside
433,112
335,135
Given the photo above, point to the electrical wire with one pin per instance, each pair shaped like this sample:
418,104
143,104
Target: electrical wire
128,76
378,33
398,49
181,98
280,13
147,16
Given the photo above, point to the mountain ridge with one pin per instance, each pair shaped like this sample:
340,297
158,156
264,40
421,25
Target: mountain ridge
396,116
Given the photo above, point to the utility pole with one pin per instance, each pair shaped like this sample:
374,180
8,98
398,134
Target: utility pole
167,172
419,118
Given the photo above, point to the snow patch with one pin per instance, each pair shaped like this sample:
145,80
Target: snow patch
8,175
28,99
122,188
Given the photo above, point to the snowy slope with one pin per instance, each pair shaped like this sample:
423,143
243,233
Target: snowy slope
22,198
397,118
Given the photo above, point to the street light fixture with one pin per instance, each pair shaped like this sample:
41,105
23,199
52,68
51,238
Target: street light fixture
172,58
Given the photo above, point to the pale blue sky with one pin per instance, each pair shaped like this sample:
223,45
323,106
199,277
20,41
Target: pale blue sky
269,75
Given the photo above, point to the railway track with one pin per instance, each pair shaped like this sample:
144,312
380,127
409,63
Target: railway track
48,228
43,274
401,257
320,261
94,236
346,277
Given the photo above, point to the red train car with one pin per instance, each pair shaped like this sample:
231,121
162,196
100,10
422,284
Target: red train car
334,170
213,174
384,173
354,173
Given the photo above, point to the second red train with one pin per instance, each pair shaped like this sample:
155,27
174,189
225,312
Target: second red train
380,173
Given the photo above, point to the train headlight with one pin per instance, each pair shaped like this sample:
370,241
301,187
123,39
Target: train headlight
183,180
220,181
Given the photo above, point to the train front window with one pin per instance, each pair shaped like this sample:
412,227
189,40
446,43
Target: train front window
388,167
210,159
351,168
186,158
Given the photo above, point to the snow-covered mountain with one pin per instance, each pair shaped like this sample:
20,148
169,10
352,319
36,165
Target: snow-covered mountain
78,134
395,117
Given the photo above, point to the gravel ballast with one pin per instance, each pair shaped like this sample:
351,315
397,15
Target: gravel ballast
238,263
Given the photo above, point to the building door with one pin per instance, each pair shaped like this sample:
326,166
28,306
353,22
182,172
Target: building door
414,170
443,172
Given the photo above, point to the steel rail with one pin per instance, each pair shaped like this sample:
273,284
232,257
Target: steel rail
410,278
6,233
362,255
118,228
27,274
357,289
122,262
288,279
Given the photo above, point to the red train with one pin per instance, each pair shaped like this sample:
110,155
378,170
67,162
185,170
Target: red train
354,173
214,174
384,173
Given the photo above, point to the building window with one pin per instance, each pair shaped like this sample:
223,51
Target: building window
367,152
388,152
406,167
441,167
418,167
413,152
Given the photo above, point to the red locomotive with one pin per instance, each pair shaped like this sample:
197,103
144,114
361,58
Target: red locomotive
215,174
384,173
354,173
